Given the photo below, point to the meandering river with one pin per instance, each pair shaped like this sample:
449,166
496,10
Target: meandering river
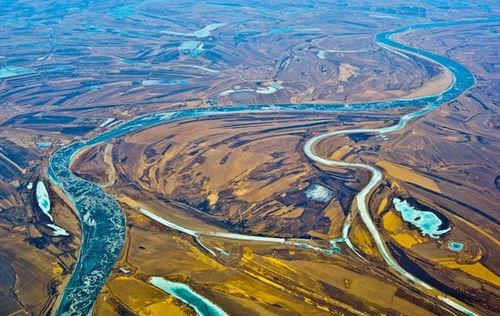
102,220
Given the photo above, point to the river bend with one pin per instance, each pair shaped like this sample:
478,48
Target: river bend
102,220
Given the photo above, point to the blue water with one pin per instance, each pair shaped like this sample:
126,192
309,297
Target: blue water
200,304
427,222
102,221
43,144
455,246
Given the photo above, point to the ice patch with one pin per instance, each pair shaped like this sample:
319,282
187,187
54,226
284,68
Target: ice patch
153,82
167,223
310,247
193,48
427,222
318,193
201,33
58,231
222,251
202,68
87,219
200,304
124,271
231,91
189,45
272,88
267,88
107,121
42,197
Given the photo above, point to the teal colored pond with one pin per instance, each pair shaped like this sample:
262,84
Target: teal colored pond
455,246
42,145
200,304
427,222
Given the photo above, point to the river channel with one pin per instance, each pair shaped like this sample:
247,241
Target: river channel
102,221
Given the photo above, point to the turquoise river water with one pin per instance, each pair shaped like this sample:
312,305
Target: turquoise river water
102,220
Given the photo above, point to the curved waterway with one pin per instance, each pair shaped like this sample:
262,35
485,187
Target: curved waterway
102,220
